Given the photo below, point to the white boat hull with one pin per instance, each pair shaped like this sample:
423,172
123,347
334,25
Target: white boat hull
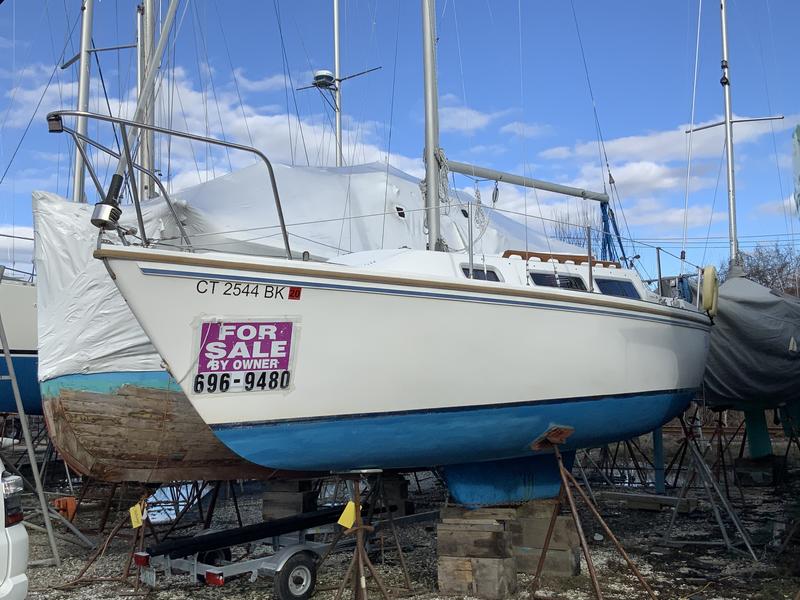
393,372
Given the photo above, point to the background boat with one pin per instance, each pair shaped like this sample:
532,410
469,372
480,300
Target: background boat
18,308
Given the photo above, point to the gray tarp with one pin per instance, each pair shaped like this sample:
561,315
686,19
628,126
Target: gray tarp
753,360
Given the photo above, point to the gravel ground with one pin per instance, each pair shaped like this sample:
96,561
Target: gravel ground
699,573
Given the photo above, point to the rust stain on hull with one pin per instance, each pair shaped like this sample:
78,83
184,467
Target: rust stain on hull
143,435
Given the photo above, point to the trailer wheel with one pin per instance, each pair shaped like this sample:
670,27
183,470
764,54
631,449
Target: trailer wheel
297,578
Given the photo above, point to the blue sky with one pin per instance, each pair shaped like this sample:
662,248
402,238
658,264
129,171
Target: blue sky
513,95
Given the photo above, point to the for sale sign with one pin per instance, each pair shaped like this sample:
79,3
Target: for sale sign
244,356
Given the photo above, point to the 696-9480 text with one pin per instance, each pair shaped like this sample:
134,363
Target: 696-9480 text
241,381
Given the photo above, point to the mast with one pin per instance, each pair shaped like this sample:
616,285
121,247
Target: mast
84,70
431,123
337,94
146,28
726,88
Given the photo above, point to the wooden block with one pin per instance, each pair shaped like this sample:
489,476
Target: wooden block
530,532
473,543
473,524
562,563
496,514
490,578
537,508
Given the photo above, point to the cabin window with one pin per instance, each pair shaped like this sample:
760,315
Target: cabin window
618,287
481,274
465,213
565,282
401,212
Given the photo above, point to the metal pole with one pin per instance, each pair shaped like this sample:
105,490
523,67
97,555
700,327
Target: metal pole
23,419
726,88
470,240
84,72
431,123
658,266
149,78
337,95
493,174
589,254
145,40
699,285
658,459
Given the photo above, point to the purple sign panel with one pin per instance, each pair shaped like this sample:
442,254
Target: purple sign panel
245,346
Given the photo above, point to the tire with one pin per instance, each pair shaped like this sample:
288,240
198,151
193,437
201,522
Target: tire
297,579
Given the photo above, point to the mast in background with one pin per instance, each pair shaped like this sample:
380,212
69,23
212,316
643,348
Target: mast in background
726,88
337,94
84,71
431,124
146,28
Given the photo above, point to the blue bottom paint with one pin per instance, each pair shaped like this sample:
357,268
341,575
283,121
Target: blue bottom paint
506,481
108,383
421,439
26,368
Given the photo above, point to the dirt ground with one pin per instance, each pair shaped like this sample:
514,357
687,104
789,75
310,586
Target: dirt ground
696,572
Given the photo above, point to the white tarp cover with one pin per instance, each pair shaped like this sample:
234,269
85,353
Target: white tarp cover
85,325
754,356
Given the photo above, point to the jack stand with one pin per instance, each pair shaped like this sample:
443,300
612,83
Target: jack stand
357,571
567,479
700,469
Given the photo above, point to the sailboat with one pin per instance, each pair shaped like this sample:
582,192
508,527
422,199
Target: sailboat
411,358
112,409
18,309
753,362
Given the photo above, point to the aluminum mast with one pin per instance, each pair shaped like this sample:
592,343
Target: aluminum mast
337,94
84,70
146,28
726,88
431,124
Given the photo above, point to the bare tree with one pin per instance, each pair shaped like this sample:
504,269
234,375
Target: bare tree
776,267
571,223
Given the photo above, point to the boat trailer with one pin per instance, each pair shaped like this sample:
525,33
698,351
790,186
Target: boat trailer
207,556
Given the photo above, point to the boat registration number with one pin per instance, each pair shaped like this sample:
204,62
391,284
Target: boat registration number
244,356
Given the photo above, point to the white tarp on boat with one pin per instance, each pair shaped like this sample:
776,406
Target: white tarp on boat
85,325
754,354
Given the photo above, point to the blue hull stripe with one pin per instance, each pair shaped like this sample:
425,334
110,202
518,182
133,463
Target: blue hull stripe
415,293
426,438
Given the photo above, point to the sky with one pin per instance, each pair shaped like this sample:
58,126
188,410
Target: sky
513,95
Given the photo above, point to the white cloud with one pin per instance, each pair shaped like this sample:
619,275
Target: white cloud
671,144
785,207
456,117
525,130
269,83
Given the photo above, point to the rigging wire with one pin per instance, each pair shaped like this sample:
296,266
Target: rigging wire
691,126
391,122
601,141
210,71
235,77
287,77
38,105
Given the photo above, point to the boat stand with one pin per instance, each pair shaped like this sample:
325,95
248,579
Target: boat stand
55,559
360,564
716,497
568,480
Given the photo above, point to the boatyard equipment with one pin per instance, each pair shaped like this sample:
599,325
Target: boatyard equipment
292,565
552,440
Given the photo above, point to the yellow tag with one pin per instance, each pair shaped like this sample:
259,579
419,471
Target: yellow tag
348,516
136,516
